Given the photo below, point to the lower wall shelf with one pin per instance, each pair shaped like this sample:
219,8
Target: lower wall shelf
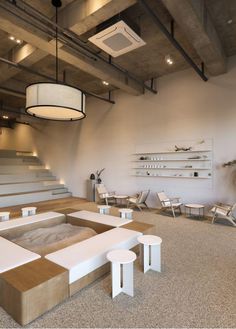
165,176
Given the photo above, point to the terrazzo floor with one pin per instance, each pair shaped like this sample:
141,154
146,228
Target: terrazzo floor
196,288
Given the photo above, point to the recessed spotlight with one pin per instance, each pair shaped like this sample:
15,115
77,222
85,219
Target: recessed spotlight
105,83
12,38
229,21
5,117
169,60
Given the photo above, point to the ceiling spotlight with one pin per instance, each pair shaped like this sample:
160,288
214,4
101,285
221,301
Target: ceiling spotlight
18,41
169,60
5,117
229,21
105,83
11,38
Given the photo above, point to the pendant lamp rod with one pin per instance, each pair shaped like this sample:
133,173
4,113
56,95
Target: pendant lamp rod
56,46
56,4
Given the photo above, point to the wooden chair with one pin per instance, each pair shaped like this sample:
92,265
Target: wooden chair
139,200
169,203
104,195
224,211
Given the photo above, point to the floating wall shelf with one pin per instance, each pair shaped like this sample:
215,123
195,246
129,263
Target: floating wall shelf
154,164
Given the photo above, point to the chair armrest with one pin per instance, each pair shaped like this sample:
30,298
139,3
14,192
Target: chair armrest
226,207
216,207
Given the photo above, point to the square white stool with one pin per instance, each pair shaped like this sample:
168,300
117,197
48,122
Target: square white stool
126,213
103,209
28,211
150,252
4,216
122,271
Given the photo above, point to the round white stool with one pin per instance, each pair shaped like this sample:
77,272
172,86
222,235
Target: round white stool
104,209
126,213
4,216
150,252
122,271
28,211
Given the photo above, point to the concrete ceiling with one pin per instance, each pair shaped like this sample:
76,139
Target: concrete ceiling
82,16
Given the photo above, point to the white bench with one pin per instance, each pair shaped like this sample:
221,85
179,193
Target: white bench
88,255
12,255
100,218
28,220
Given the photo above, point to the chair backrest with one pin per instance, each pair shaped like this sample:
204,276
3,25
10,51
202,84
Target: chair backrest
143,196
163,198
232,210
101,189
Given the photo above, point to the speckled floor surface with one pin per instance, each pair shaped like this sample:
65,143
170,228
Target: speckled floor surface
197,287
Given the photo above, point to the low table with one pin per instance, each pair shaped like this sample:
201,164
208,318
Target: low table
28,211
150,252
199,207
4,216
122,261
30,290
126,213
121,199
100,218
104,209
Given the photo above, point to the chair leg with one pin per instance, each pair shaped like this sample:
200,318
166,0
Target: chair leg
146,205
173,211
139,207
231,221
213,219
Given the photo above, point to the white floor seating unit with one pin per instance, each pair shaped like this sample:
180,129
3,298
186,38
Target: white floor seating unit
88,255
16,255
80,258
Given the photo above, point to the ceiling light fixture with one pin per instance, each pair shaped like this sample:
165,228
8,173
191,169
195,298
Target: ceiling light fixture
105,83
54,100
169,60
15,39
5,117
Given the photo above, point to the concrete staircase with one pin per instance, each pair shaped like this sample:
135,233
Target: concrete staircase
24,179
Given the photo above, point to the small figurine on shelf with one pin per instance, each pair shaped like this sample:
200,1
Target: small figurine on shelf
181,148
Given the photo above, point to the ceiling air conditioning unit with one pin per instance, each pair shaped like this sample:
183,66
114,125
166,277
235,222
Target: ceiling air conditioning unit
117,39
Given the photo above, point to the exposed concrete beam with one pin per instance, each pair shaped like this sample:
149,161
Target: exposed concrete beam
193,18
83,15
42,47
26,55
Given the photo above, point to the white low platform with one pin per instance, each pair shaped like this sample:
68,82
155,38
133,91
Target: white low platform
100,218
88,255
12,255
28,220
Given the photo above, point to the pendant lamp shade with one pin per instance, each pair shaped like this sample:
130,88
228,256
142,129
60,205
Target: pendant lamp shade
55,101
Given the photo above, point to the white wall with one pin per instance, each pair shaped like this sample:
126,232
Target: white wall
185,108
20,138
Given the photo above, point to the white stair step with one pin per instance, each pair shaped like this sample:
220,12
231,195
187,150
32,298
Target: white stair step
18,199
18,162
7,153
4,169
29,187
23,178
60,190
